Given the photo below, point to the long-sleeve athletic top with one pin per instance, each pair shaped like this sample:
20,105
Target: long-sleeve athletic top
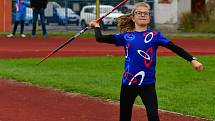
140,53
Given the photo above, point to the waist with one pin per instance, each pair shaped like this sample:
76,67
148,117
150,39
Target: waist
139,78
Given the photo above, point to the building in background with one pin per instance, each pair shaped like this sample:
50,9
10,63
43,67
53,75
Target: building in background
168,12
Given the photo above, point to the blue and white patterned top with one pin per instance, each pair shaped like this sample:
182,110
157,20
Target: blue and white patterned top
140,60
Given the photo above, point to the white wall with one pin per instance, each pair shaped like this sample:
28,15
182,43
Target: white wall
184,6
166,13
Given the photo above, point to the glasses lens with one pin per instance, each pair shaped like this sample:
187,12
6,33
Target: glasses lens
139,13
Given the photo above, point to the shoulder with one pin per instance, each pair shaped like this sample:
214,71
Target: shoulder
121,34
124,36
151,33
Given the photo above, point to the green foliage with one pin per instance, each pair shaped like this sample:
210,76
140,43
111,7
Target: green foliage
187,22
199,22
207,27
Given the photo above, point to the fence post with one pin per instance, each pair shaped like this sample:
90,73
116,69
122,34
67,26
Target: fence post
66,14
97,9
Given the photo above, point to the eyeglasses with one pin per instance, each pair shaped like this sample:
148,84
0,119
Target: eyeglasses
140,13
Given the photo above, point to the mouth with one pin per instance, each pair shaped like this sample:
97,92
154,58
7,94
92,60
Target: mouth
142,19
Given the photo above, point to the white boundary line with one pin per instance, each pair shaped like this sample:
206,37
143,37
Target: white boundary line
165,111
176,113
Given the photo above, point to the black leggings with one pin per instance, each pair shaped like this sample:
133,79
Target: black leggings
148,95
15,27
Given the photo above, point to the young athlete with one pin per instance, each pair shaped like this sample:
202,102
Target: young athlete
20,17
140,46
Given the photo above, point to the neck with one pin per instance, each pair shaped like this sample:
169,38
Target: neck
140,28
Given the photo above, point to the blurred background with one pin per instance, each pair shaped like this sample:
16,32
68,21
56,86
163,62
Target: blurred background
166,15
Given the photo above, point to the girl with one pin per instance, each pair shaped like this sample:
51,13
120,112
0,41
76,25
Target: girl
20,17
140,47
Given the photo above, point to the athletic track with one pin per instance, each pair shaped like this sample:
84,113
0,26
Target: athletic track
25,102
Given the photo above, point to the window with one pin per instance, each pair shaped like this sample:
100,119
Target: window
88,10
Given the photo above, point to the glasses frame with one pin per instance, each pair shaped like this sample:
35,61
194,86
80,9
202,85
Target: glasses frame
142,14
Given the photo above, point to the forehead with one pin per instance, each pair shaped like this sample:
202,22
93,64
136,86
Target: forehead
142,8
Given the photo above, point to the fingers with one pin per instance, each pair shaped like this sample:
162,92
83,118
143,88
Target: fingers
93,24
197,65
199,68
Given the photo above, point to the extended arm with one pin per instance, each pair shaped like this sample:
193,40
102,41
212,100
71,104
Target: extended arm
184,54
179,51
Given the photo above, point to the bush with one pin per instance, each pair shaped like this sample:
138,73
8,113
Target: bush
200,22
194,23
207,26
189,21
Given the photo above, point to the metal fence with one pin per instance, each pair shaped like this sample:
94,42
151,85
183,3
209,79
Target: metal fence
69,15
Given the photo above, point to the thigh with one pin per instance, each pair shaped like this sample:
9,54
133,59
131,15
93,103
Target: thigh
35,14
149,98
128,95
42,14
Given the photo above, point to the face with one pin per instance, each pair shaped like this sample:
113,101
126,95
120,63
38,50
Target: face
141,16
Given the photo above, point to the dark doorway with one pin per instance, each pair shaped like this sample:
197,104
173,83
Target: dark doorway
198,6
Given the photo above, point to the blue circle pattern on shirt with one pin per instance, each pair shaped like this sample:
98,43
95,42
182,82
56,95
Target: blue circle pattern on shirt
129,36
140,60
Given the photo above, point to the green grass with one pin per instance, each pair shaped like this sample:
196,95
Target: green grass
179,87
90,34
191,35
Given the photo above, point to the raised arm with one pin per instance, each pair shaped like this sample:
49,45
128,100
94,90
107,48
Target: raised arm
99,37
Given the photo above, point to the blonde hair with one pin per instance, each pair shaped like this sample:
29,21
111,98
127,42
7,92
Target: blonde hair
125,22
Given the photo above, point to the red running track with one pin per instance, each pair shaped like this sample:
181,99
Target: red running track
24,102
40,47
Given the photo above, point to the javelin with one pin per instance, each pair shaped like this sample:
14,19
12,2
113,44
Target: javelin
82,31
